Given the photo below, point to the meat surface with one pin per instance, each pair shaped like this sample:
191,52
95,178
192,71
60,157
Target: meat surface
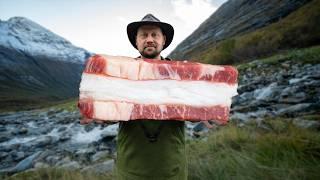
116,88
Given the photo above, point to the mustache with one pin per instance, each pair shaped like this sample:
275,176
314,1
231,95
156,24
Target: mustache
150,45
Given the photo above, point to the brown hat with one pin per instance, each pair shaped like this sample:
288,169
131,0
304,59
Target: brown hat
150,19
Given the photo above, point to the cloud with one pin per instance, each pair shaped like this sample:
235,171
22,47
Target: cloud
192,12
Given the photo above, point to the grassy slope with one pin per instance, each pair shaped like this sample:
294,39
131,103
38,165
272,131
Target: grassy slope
11,105
309,55
299,29
277,151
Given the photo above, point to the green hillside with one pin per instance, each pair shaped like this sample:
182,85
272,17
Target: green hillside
299,29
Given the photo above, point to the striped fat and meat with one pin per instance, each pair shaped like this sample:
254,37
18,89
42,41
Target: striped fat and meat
117,88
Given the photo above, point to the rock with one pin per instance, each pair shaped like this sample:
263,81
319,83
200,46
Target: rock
100,168
16,156
246,96
89,127
39,165
73,165
45,154
291,110
199,127
245,108
239,116
53,159
110,131
84,155
3,154
4,137
285,65
63,128
25,164
103,147
297,98
99,155
307,124
65,136
23,130
269,93
41,141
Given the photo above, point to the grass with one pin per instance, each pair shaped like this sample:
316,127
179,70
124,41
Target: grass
309,55
56,173
312,117
305,56
279,150
69,104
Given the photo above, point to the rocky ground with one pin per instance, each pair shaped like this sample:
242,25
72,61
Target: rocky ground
54,138
286,89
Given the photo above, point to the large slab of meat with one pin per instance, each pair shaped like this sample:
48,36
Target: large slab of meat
116,88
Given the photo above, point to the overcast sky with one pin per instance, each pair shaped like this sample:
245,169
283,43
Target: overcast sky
100,25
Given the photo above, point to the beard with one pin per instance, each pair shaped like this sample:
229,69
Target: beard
150,55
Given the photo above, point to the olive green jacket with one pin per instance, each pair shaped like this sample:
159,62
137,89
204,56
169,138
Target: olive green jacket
140,159
160,158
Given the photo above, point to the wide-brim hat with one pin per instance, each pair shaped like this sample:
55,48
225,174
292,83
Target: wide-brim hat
150,19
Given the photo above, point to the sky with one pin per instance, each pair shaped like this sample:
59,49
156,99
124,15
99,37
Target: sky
99,26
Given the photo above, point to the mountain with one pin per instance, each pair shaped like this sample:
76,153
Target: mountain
37,65
234,18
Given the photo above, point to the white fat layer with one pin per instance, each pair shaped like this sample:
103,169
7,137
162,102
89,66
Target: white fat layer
112,111
194,93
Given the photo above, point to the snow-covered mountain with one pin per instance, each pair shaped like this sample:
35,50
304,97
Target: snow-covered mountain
29,37
36,64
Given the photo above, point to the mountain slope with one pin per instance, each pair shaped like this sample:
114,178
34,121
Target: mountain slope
298,30
234,18
36,64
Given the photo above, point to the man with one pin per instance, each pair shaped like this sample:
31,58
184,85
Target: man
149,149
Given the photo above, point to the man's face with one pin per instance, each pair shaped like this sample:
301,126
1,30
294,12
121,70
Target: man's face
150,41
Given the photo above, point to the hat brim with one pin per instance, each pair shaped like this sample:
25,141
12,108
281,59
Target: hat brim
166,28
